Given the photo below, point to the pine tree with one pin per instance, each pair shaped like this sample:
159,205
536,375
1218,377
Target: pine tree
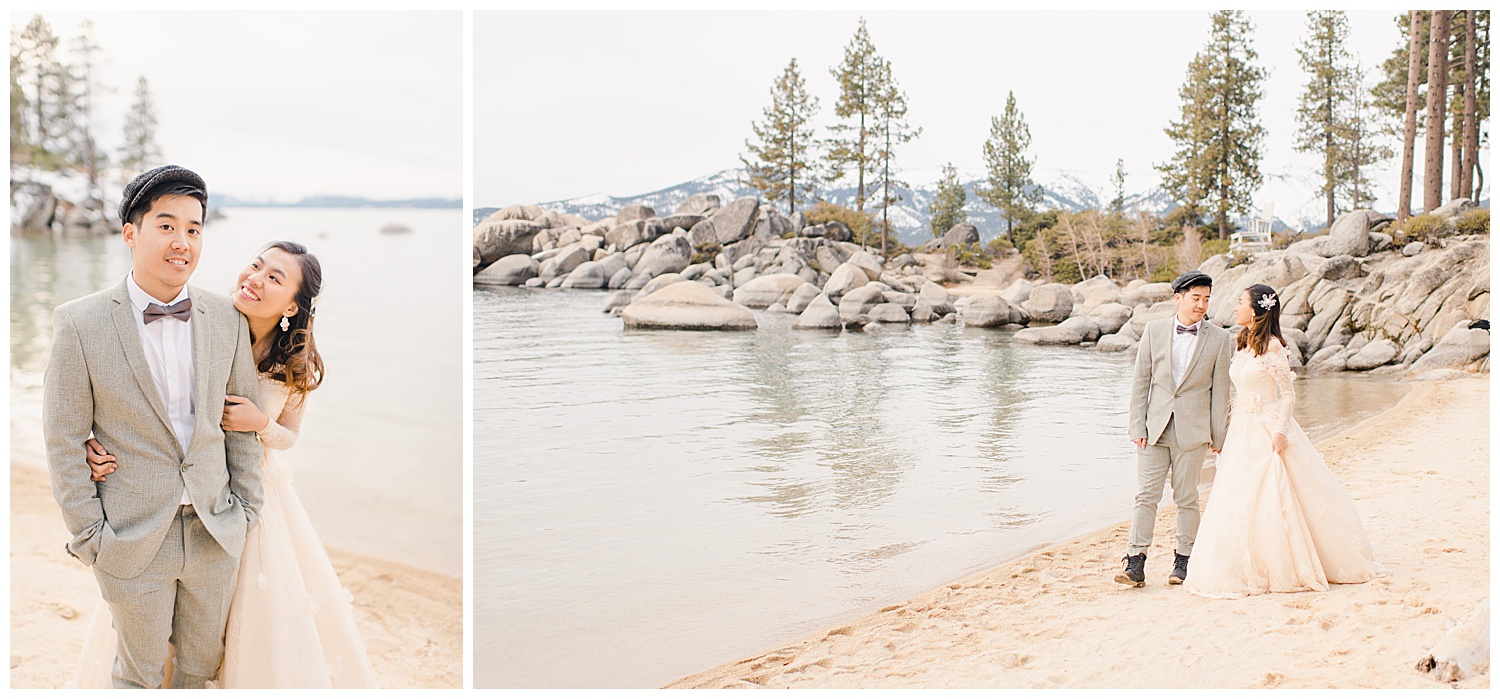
1406,66
86,150
1360,144
782,164
1218,140
140,150
1324,104
1388,97
853,145
891,130
1010,187
18,105
947,208
1437,93
1471,111
36,72
1469,73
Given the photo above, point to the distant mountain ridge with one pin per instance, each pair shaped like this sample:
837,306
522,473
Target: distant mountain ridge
1062,189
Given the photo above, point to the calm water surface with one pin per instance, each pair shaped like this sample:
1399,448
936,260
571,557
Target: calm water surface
379,464
649,504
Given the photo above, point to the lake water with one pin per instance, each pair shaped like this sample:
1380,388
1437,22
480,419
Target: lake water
649,504
379,464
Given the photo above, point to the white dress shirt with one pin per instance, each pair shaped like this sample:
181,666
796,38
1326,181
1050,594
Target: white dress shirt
1183,345
168,344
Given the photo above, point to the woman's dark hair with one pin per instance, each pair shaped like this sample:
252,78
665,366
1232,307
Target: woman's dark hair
1267,321
294,358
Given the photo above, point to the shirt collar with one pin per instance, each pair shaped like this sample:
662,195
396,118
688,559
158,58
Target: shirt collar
140,299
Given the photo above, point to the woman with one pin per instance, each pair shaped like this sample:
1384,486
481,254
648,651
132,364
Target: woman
291,624
1277,520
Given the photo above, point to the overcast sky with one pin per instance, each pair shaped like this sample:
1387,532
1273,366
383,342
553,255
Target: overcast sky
571,104
283,105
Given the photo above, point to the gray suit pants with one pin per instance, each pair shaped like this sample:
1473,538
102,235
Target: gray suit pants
1153,466
181,600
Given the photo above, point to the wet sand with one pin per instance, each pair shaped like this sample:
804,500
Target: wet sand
1419,474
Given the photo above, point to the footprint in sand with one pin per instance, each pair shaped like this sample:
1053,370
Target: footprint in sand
1014,660
1271,679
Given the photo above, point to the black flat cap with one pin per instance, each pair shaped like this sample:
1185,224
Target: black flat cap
1190,279
150,179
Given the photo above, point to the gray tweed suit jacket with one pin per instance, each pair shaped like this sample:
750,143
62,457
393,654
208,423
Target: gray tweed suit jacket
1200,403
97,381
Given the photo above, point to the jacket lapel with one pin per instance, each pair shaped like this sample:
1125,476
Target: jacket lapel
1163,345
206,416
130,345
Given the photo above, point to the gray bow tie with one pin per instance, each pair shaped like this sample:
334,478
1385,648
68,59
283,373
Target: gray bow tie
1192,330
181,310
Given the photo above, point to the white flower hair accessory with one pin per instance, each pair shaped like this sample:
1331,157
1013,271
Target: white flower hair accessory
1268,301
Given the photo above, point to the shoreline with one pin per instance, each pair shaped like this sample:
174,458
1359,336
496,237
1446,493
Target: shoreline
410,619
1054,617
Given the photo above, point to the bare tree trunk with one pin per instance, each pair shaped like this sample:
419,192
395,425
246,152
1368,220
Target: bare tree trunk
860,197
1191,247
1437,100
1471,115
1358,132
1328,148
1145,231
1409,135
885,195
1456,150
1067,225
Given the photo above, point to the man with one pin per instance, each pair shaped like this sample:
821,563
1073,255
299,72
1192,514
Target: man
145,367
1179,409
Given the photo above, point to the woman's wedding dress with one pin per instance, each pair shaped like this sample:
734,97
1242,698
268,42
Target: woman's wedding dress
291,624
1274,522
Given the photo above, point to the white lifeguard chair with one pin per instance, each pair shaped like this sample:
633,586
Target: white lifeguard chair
1257,238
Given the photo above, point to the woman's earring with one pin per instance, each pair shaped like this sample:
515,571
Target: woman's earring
285,324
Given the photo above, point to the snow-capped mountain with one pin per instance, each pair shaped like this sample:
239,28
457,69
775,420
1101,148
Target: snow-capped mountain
1293,197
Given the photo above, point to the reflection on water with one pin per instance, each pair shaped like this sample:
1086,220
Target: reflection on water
379,461
47,271
650,504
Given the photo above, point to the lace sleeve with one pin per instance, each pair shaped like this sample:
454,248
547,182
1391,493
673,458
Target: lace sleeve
281,433
1278,363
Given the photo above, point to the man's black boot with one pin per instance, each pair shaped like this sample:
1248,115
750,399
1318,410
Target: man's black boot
1179,570
1134,573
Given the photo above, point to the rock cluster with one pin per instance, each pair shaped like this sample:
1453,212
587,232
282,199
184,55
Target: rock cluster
1351,302
58,207
749,255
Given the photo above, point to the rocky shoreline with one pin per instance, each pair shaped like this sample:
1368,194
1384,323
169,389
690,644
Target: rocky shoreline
57,204
1353,302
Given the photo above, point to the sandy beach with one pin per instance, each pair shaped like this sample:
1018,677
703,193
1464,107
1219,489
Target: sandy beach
411,620
1419,474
